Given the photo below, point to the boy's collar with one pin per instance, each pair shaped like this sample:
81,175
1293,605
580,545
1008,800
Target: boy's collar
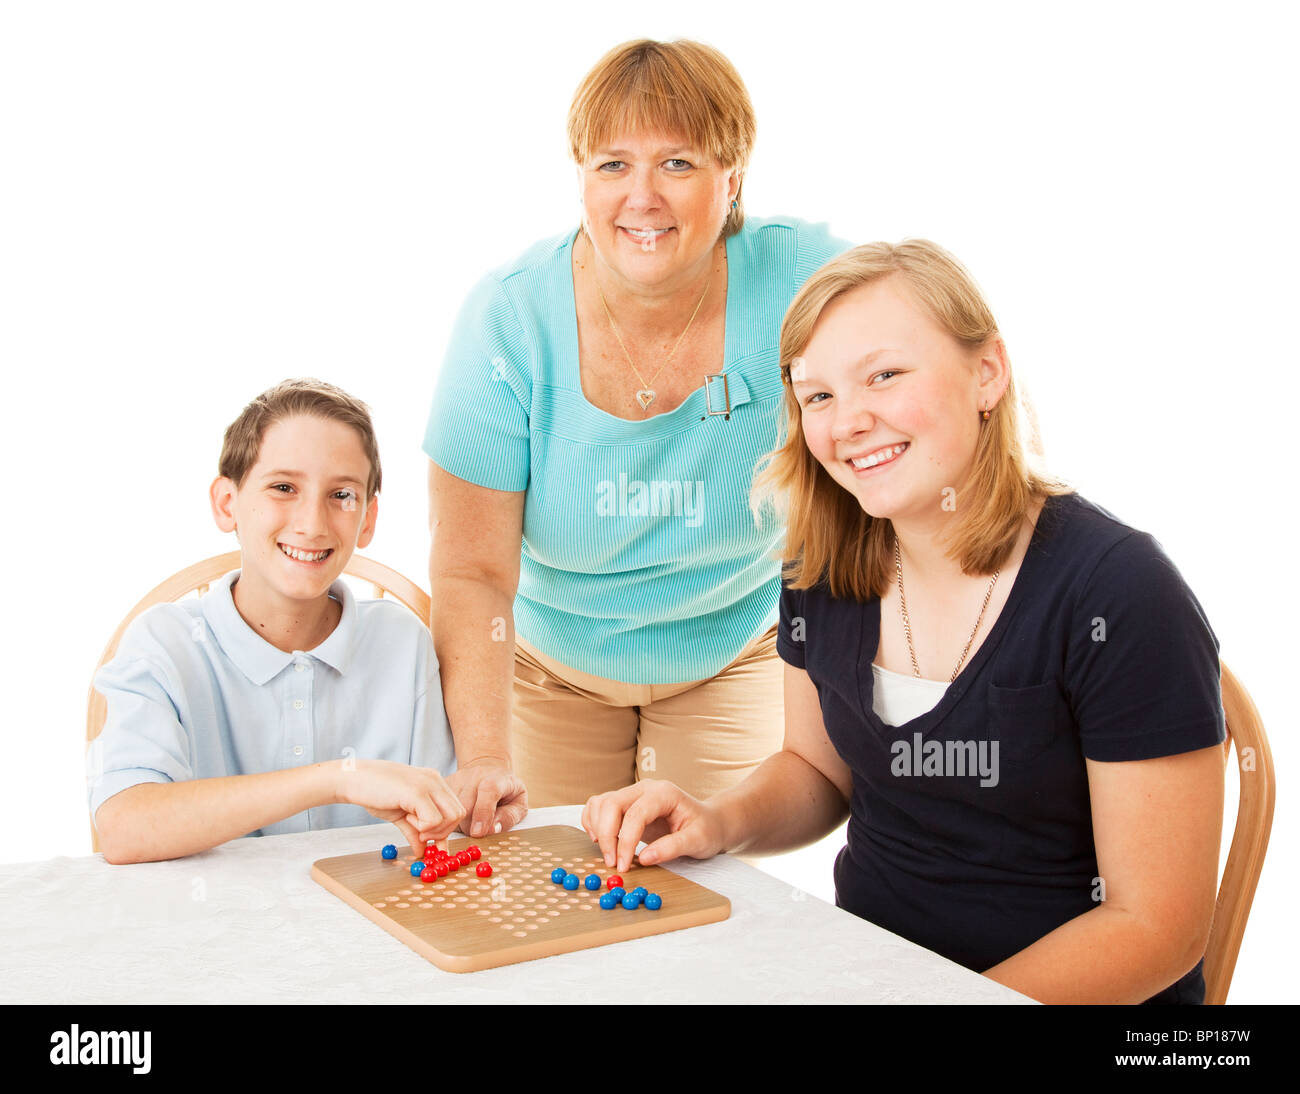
253,655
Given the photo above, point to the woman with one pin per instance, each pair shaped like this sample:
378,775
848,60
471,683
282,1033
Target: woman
1013,696
604,401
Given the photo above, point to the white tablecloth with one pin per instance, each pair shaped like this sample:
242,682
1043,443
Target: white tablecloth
245,923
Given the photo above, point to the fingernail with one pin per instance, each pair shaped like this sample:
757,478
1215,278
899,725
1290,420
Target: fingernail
497,829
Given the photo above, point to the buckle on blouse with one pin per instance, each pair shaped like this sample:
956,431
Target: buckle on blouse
710,383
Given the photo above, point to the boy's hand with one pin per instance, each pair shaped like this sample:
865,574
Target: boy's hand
416,799
493,797
665,816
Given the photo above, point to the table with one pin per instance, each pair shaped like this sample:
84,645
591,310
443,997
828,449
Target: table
245,923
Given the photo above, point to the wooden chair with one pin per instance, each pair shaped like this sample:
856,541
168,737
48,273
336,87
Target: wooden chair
1258,791
198,577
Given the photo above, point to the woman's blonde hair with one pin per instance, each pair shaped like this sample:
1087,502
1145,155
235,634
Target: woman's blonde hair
681,88
829,538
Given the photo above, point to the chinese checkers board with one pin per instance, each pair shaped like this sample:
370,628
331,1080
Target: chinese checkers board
463,922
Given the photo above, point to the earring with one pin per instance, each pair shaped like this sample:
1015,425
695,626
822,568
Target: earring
986,415
733,203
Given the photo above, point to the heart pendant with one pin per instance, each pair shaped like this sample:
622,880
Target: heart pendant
645,398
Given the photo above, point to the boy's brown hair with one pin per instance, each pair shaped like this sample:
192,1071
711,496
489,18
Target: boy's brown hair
288,399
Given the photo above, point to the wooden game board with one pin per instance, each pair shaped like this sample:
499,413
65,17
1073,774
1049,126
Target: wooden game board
463,922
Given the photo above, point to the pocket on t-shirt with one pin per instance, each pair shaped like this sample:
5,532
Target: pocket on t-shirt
1026,722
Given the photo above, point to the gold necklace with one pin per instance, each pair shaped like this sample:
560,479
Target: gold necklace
907,623
646,395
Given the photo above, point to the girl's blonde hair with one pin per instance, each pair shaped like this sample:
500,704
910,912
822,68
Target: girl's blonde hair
829,538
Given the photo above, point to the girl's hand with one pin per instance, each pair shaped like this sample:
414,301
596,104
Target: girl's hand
670,820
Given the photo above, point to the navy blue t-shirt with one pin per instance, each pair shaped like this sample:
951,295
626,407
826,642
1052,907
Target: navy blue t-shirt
1101,652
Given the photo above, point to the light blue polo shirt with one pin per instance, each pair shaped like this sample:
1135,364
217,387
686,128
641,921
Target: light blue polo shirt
641,559
195,693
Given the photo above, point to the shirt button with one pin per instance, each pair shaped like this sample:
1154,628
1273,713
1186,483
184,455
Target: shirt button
297,704
297,750
299,666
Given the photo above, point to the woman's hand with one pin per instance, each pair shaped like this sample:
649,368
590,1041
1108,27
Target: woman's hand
670,820
494,797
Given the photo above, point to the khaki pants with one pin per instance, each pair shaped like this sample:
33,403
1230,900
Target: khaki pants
575,735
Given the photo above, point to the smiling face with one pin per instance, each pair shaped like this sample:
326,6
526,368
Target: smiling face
654,207
300,512
890,402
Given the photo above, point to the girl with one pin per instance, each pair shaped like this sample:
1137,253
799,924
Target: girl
1013,696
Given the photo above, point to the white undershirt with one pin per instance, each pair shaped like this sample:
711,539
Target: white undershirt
897,698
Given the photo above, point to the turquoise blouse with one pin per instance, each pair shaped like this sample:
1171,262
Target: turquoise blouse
641,558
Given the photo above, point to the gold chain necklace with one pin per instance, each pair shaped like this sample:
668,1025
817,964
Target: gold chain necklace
646,395
907,623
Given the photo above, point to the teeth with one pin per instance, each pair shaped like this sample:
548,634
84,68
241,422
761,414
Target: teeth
645,233
878,457
303,556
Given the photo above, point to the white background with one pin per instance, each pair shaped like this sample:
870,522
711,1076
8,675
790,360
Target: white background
198,200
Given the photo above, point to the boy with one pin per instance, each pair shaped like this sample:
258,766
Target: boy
276,702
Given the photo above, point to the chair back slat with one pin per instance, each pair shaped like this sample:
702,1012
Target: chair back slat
1256,798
